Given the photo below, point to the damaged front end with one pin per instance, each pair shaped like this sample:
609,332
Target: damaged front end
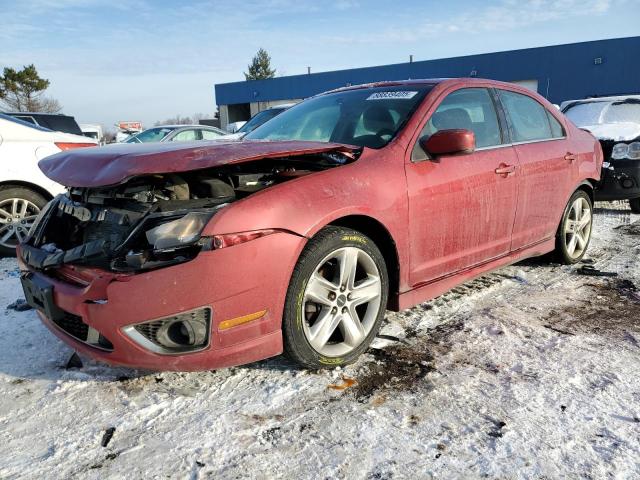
153,221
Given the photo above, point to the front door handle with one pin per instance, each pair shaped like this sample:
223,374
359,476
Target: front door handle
570,157
505,170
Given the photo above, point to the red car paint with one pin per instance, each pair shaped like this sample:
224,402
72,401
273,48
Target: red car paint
116,163
450,220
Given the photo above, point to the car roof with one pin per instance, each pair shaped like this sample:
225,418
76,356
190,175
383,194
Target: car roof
615,98
38,113
9,118
183,126
425,82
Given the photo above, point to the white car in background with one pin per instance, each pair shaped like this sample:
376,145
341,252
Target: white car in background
24,189
177,133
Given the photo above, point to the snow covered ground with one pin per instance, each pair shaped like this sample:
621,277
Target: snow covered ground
530,372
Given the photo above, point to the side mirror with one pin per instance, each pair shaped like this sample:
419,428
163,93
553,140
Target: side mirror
449,142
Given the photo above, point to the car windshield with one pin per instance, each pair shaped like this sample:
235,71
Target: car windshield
259,118
151,135
596,113
366,117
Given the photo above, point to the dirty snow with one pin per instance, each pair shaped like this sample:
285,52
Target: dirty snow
529,372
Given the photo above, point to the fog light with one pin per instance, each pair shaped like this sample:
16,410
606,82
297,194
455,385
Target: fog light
627,183
181,333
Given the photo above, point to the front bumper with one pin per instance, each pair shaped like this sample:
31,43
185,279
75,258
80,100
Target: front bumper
233,281
621,181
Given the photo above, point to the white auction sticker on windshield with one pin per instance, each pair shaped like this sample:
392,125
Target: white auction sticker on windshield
398,94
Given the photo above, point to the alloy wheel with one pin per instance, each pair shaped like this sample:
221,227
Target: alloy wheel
577,227
341,301
16,217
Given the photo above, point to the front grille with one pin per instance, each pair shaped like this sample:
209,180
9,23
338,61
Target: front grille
74,326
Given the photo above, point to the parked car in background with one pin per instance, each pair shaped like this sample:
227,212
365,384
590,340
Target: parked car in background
52,121
263,117
233,127
299,237
240,129
177,133
24,189
93,131
615,121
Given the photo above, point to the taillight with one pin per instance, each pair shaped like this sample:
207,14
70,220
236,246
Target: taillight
70,146
231,239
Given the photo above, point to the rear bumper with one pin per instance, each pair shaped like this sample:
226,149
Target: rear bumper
234,282
621,183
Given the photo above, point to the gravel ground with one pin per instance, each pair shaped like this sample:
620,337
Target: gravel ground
529,372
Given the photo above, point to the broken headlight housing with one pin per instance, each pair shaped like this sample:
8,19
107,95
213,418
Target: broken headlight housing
178,233
163,240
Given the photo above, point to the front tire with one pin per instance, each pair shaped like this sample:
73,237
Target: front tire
19,207
574,232
336,299
634,203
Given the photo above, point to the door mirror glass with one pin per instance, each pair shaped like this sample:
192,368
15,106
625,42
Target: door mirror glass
449,142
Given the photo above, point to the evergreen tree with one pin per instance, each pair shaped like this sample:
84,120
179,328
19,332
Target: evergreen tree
260,67
21,91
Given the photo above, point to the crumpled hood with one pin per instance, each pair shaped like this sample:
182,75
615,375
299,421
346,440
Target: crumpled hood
618,132
114,164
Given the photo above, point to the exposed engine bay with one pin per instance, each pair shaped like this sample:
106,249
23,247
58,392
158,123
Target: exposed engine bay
156,220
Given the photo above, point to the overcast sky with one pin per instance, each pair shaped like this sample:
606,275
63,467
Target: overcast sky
149,60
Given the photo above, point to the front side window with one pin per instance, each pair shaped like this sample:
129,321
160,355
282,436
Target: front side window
366,117
469,109
529,119
150,135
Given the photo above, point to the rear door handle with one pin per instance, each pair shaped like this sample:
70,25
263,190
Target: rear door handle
505,170
570,157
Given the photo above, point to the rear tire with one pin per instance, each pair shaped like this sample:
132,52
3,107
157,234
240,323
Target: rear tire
336,299
574,231
634,203
19,207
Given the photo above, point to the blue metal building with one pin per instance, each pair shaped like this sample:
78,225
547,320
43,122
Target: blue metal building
559,72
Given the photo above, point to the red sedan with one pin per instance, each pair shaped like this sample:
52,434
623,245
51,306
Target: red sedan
374,197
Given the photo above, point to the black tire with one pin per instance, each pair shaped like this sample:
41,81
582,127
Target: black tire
562,252
634,203
8,192
328,240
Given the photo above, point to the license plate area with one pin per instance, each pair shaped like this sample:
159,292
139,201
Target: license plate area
39,294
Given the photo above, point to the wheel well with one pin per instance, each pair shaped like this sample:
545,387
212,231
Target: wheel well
587,187
30,186
384,241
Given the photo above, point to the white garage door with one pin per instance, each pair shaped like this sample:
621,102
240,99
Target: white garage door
530,84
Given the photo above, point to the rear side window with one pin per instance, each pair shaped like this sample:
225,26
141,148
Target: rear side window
185,136
529,120
210,134
556,129
470,109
